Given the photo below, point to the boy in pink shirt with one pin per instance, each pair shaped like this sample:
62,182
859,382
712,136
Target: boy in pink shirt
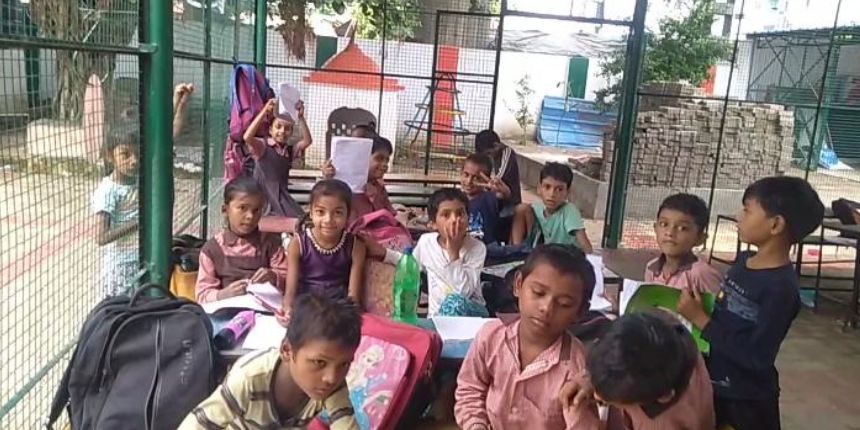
648,370
680,227
513,371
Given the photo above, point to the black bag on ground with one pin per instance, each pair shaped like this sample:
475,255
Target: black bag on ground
140,363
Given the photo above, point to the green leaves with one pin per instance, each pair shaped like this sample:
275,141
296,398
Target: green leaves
682,50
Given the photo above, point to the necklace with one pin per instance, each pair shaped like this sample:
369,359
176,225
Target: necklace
322,250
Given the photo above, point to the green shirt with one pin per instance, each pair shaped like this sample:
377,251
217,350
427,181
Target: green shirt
244,401
560,227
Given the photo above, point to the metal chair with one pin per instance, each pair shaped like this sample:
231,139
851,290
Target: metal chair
342,120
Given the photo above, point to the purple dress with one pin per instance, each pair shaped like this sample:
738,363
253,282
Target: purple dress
325,272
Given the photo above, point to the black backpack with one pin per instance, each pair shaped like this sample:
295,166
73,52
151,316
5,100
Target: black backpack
140,363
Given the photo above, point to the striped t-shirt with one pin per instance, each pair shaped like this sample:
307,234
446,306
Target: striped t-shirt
244,401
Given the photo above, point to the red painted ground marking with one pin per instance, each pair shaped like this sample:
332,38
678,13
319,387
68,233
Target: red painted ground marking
54,245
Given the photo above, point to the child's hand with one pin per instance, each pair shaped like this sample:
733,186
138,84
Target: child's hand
575,392
283,317
235,289
270,106
328,170
374,249
300,109
690,307
181,92
453,234
264,275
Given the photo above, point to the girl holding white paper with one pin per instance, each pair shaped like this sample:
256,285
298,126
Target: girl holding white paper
273,156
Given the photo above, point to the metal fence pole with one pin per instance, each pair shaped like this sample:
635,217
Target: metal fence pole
813,140
433,84
260,35
500,31
156,182
624,139
207,118
382,63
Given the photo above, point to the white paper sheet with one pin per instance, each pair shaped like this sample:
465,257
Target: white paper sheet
598,301
268,294
458,328
247,301
288,96
351,159
628,290
266,333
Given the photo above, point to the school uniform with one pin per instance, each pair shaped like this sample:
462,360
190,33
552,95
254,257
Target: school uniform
227,258
374,198
692,273
245,401
324,271
492,391
272,164
692,410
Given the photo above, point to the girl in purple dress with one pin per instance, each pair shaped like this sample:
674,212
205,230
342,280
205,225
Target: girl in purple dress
322,256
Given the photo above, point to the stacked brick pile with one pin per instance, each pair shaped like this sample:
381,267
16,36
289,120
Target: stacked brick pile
675,144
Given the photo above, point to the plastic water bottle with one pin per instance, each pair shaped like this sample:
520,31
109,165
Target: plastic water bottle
407,277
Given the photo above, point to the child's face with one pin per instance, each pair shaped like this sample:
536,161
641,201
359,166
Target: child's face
125,160
553,193
378,165
549,301
319,367
755,226
329,215
452,216
243,213
471,178
677,233
281,130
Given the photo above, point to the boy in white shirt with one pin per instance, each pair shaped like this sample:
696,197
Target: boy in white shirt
452,259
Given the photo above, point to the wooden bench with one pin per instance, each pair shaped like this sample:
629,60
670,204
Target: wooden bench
410,190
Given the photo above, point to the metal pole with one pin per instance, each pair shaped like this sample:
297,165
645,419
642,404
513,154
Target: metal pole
725,112
500,31
207,117
624,139
156,180
821,95
382,64
260,35
433,85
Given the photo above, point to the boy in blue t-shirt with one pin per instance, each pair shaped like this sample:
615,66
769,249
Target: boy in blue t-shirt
553,219
484,193
757,302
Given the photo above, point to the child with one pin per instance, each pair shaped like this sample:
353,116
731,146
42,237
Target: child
452,259
553,219
364,130
241,254
324,257
115,201
513,371
374,197
287,388
648,368
115,204
505,164
681,223
273,157
484,194
757,301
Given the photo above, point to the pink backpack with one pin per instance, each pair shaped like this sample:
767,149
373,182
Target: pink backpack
390,378
249,92
378,276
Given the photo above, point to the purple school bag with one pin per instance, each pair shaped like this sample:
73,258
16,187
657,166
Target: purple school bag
249,92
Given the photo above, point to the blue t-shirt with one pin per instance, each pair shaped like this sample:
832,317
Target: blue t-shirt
484,217
752,314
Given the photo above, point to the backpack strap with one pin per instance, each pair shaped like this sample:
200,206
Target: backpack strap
61,397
